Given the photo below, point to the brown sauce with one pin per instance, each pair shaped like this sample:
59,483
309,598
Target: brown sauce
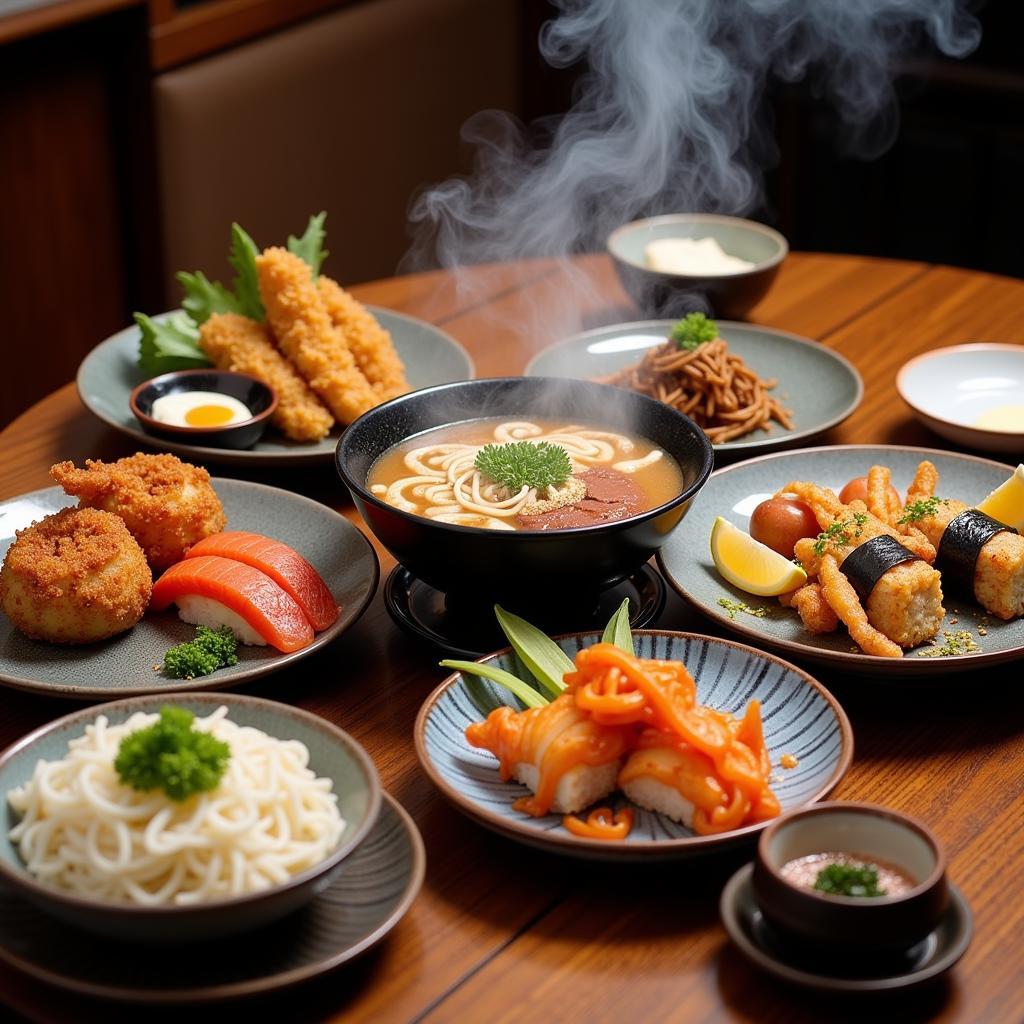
803,871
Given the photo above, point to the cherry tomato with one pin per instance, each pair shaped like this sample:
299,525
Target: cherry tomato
781,522
857,488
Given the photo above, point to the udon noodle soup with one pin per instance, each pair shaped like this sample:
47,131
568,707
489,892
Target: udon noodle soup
611,475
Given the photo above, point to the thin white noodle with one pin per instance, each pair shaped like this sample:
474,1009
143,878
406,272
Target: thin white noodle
82,830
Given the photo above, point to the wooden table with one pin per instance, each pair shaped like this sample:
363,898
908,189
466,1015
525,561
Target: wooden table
504,933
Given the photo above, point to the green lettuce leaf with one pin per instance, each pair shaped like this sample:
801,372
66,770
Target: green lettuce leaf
246,284
204,297
310,247
170,344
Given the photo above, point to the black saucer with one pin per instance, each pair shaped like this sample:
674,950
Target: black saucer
467,628
761,944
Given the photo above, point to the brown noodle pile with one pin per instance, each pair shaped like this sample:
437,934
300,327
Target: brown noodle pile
710,384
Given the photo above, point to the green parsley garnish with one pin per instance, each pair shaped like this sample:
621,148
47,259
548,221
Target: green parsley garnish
957,642
849,880
693,330
732,607
170,755
520,464
838,533
921,509
210,650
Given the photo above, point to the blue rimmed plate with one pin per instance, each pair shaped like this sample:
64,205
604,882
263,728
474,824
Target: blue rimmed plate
109,373
734,492
819,386
800,718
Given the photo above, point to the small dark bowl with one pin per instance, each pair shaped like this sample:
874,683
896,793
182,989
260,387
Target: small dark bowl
259,397
729,295
866,926
546,566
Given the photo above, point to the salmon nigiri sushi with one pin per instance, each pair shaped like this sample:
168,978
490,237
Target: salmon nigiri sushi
213,591
284,565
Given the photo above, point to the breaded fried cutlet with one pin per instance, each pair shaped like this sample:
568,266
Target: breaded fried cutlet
168,505
234,342
371,345
305,334
75,577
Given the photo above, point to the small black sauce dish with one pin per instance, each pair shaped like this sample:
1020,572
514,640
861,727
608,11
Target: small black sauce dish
260,398
542,567
869,929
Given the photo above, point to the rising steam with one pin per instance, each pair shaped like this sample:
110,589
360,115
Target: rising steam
668,116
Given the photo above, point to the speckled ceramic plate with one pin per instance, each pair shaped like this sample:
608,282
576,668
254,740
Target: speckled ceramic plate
109,372
733,492
364,902
754,937
123,666
800,717
818,385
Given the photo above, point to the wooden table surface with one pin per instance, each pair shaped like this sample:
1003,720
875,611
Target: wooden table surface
504,933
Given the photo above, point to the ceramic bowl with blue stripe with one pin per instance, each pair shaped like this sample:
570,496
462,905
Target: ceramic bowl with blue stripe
800,717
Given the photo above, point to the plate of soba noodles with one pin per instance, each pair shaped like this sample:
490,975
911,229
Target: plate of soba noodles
750,388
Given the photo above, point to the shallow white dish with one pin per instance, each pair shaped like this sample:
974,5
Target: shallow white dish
950,388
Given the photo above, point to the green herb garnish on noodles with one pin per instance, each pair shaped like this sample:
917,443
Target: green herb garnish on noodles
849,880
693,330
172,756
520,464
921,509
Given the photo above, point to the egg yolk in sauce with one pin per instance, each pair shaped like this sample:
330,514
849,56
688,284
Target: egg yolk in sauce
201,409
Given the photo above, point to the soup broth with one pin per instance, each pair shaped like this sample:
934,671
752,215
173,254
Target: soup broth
613,476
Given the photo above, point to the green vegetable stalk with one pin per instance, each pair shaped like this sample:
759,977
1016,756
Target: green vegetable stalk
172,756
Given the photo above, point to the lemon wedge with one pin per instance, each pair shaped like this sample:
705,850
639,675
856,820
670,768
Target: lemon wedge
750,565
1006,502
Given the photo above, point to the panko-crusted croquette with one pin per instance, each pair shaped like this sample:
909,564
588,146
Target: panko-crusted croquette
75,577
236,343
307,336
371,345
168,505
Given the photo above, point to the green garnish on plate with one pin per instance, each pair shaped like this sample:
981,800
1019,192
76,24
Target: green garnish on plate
520,464
956,642
735,607
838,534
174,343
172,756
921,509
210,650
849,880
693,330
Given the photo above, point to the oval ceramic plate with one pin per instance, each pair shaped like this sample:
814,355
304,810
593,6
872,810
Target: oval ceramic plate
109,373
818,385
365,900
800,717
123,665
951,388
734,491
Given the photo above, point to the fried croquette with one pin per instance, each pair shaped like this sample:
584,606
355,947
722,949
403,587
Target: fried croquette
76,577
242,345
371,345
168,505
306,335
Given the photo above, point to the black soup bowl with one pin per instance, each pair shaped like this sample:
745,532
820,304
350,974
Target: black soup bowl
542,564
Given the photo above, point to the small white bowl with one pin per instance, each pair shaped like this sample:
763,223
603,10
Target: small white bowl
950,388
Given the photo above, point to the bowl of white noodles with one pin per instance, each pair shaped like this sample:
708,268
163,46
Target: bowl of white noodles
174,817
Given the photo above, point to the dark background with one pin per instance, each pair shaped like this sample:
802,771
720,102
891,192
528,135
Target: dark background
132,132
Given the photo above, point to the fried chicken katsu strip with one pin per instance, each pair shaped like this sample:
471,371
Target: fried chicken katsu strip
304,331
241,345
368,342
842,598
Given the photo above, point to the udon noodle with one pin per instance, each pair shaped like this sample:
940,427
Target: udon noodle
440,481
82,830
